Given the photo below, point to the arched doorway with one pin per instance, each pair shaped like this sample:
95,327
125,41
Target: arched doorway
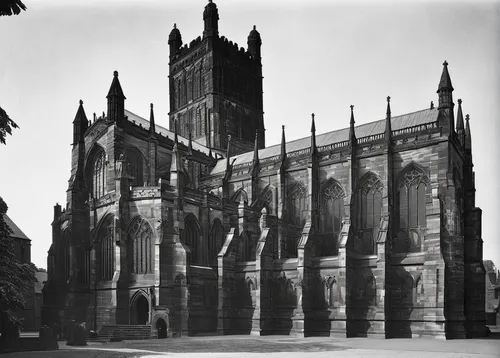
139,310
161,327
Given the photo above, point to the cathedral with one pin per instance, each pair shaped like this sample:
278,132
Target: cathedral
369,230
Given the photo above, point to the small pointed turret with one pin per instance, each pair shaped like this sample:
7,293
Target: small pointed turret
460,123
445,89
152,127
211,19
468,138
283,143
256,148
388,126
116,101
313,135
352,134
80,125
174,40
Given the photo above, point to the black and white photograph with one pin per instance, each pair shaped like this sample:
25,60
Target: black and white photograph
234,178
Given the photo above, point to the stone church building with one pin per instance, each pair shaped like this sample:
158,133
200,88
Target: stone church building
369,230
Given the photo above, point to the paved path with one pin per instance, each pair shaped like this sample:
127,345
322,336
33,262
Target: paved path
278,347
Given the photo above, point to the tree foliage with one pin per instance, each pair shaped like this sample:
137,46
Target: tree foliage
6,125
16,278
11,7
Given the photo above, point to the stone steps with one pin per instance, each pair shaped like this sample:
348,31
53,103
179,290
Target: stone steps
123,332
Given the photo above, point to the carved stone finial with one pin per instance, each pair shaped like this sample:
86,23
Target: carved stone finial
81,102
388,99
445,63
432,104
175,25
115,73
254,27
352,107
459,101
312,116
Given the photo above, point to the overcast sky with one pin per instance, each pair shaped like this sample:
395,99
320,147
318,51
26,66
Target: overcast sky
317,56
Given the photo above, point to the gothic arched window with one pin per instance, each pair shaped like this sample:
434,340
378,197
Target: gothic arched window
331,214
99,176
135,167
411,203
191,237
216,238
141,238
298,205
368,213
106,249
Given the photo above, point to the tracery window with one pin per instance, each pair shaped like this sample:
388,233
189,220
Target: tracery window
412,215
106,249
458,203
298,205
141,238
331,214
99,176
368,214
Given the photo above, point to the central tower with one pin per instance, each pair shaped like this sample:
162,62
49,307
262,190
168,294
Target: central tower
216,87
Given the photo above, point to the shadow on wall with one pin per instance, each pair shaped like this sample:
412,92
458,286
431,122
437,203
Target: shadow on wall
401,288
244,304
283,303
361,302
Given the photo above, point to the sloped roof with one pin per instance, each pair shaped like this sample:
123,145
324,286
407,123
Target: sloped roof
132,117
16,231
336,136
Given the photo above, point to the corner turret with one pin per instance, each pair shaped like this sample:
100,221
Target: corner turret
254,42
211,19
174,40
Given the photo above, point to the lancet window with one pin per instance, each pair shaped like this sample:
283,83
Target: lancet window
331,214
141,238
99,175
298,205
135,167
106,249
191,237
216,239
411,204
368,213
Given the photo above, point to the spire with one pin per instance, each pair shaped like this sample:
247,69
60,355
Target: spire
283,143
388,126
445,88
116,88
116,101
352,134
152,127
256,147
80,125
211,18
313,135
460,123
460,116
468,139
